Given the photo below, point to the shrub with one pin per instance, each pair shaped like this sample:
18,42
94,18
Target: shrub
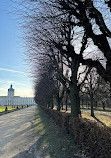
89,135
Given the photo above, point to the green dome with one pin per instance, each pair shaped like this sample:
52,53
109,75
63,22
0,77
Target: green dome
11,89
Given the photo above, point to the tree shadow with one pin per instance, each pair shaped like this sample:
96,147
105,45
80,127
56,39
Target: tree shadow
53,142
98,120
19,133
30,153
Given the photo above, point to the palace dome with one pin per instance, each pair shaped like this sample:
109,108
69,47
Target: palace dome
11,89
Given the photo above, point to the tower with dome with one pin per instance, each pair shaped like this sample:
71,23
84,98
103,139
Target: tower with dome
11,99
11,91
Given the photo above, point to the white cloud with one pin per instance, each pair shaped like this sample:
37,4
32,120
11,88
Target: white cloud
22,84
7,83
3,92
13,71
16,83
24,92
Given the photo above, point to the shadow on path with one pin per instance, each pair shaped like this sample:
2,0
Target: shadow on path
16,134
30,153
53,142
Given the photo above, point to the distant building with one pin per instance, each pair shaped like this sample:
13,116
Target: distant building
15,100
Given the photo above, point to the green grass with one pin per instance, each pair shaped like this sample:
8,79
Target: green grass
52,141
2,108
106,120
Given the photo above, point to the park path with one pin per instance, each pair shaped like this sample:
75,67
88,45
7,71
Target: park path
17,138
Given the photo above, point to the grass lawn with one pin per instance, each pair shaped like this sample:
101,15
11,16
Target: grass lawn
52,141
98,108
2,108
106,120
100,117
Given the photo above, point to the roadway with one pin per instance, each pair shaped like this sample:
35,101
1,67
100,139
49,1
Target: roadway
17,138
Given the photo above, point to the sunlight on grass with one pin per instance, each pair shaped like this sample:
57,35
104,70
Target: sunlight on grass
103,118
2,108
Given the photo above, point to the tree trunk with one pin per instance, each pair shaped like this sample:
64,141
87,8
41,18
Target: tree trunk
82,102
66,102
96,104
74,90
62,106
52,104
103,104
110,95
92,105
58,102
75,101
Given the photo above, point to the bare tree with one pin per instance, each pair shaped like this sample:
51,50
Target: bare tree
66,28
103,93
87,14
90,87
45,89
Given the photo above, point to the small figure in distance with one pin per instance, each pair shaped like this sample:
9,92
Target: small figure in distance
6,109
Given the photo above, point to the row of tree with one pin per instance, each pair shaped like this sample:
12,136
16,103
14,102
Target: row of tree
69,48
95,92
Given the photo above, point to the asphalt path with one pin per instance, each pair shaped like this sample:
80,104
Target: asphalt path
17,138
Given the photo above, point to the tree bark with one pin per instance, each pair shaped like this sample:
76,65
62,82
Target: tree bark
103,104
74,90
92,105
75,100
66,101
58,102
52,104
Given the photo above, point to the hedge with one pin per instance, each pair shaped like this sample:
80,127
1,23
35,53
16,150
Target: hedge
89,135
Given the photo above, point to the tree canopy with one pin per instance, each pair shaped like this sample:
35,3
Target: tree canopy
70,34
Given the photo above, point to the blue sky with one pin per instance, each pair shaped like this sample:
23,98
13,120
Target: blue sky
13,68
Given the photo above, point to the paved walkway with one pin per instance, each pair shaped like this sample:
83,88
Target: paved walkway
16,134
